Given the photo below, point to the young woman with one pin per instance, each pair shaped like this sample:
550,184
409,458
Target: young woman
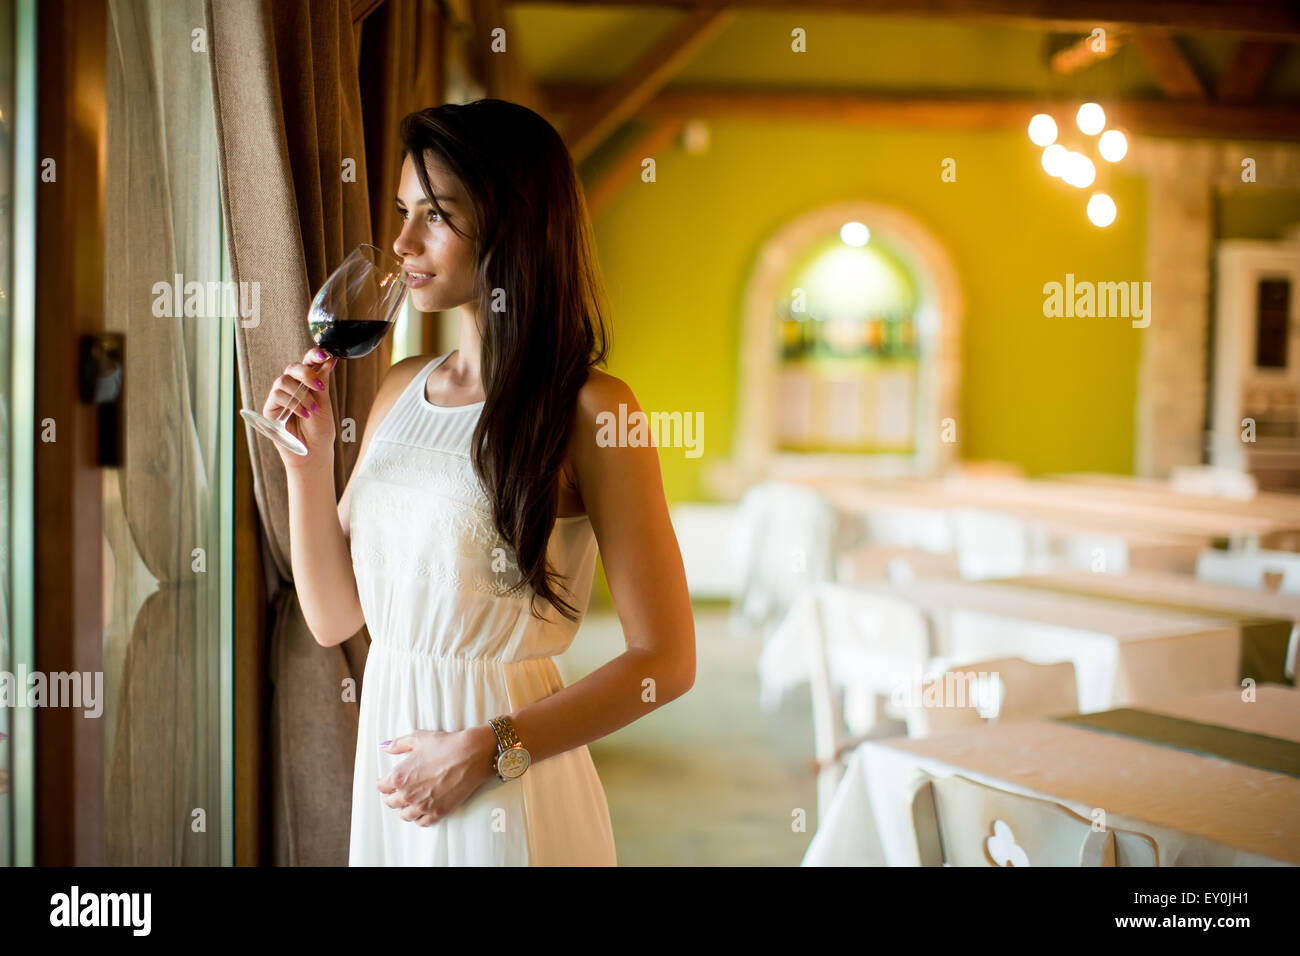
467,534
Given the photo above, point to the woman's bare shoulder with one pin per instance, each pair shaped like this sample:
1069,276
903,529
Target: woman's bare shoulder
399,374
603,392
396,378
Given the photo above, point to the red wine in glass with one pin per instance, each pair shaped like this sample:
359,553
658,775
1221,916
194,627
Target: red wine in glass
349,338
349,317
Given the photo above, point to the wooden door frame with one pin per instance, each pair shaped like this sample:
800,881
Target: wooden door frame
68,539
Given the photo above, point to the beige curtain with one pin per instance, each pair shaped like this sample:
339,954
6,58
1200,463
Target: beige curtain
161,547
288,113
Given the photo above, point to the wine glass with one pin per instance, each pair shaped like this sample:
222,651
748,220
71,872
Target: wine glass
349,317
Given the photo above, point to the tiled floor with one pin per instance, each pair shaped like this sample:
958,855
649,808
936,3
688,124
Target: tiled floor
707,779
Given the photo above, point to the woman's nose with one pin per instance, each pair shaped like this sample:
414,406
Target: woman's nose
403,244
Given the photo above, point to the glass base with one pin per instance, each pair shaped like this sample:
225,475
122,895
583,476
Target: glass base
274,431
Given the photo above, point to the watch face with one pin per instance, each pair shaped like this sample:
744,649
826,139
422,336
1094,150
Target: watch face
513,762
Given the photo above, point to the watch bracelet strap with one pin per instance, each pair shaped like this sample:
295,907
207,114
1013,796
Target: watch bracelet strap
504,728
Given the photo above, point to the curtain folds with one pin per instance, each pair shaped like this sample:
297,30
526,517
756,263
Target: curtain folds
401,56
294,175
161,542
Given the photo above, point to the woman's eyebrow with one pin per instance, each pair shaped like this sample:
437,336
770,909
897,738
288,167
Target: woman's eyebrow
425,202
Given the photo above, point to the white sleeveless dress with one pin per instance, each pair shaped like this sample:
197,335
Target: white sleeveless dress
450,649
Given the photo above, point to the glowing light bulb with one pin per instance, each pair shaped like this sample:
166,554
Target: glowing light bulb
855,234
1091,119
1054,160
1101,209
1079,171
1113,146
1042,130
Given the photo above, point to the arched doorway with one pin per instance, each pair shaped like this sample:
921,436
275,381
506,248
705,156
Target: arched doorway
923,375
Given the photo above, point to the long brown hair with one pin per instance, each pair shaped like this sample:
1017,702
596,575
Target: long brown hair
538,298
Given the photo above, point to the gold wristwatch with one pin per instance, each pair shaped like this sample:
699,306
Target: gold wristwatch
511,758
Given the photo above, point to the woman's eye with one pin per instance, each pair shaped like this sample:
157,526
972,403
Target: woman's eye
430,218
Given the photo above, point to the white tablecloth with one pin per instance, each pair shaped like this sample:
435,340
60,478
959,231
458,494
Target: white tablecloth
1122,653
1201,811
1160,587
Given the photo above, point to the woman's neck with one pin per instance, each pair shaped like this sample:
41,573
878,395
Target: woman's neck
464,363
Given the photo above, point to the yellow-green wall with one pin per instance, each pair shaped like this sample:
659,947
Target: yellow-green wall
1052,394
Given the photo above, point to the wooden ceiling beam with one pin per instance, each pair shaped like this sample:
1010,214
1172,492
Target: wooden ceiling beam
1200,119
626,169
1250,66
1278,19
1169,65
612,106
1085,52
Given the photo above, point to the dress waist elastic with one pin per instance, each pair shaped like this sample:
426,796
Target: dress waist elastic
458,659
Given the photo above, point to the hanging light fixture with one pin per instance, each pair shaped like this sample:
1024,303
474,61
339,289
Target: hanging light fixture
1081,152
1042,130
1101,209
1079,171
1054,160
1091,119
1113,146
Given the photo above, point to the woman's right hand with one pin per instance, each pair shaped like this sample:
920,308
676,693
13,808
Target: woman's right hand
312,420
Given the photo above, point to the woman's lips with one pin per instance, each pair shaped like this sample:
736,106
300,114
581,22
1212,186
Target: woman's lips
415,280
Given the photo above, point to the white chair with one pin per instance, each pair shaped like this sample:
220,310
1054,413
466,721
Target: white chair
1255,569
837,638
990,544
1211,482
874,563
925,529
784,539
959,822
1096,552
1000,691
880,645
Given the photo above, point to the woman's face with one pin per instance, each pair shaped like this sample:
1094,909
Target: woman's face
428,245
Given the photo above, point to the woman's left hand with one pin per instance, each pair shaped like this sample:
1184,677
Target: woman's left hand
441,770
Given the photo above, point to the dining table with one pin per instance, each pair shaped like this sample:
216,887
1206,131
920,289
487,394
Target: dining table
1066,507
1123,652
1278,506
1213,779
1270,620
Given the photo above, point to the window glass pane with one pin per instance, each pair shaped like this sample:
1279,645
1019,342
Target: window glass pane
1272,315
7,729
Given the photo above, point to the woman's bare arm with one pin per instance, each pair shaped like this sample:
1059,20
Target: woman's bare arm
320,550
623,492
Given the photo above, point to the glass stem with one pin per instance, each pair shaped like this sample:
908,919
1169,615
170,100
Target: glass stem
293,403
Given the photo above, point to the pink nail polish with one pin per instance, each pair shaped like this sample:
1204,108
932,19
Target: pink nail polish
315,406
